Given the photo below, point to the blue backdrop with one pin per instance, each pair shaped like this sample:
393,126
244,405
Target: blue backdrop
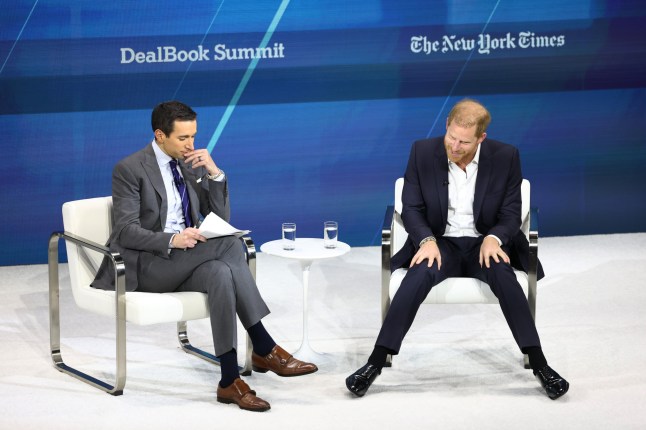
311,106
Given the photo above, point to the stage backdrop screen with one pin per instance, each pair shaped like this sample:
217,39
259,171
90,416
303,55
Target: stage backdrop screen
311,106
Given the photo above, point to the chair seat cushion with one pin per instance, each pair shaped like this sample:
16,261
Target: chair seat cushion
457,290
145,308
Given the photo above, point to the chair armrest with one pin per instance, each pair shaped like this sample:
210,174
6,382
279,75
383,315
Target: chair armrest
120,311
250,250
115,257
386,236
84,242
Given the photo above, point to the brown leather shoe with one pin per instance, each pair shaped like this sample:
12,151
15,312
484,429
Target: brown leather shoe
281,363
243,396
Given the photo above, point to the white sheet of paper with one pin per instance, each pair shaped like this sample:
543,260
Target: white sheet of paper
214,226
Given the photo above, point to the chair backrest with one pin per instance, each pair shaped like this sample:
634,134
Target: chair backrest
92,220
399,234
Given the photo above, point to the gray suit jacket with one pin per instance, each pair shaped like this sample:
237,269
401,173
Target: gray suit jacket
140,207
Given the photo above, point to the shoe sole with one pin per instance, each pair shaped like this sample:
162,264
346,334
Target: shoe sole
231,401
265,370
567,388
356,393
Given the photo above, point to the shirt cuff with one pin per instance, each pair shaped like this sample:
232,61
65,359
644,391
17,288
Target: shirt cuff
495,237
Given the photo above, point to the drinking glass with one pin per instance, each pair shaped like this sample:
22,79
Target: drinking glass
330,233
289,236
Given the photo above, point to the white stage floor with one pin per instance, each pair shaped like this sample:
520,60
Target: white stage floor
459,367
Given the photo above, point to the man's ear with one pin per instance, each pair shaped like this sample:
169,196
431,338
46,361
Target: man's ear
159,135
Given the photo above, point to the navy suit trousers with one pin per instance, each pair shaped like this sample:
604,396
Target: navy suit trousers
460,257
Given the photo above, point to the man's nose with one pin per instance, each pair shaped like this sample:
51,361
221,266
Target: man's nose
455,146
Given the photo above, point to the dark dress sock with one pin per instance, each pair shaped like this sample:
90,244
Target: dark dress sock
261,340
378,356
536,358
229,368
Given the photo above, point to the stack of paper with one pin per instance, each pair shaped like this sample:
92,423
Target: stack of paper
214,226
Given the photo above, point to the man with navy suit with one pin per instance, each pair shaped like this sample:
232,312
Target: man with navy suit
461,208
160,193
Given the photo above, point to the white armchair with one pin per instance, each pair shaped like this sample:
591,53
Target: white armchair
88,224
453,290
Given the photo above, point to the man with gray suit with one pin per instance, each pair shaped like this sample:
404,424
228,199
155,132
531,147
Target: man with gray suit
160,194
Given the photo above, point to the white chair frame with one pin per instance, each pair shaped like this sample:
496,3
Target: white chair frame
454,290
135,307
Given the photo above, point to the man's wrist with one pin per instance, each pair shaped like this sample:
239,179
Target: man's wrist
495,237
216,176
426,240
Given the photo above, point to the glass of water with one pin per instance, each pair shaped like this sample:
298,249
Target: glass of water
330,233
289,236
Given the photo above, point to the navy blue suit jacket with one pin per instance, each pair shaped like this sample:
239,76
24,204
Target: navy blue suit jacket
496,206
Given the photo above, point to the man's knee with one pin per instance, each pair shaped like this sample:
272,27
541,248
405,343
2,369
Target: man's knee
215,275
233,246
499,275
496,270
230,241
424,274
419,279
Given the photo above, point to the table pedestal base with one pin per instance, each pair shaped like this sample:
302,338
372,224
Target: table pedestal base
307,250
305,352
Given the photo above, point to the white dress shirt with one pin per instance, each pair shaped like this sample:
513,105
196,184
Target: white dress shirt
462,190
174,216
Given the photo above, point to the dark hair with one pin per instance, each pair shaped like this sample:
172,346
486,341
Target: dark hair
166,113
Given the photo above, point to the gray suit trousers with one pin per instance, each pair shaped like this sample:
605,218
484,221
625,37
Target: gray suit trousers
217,268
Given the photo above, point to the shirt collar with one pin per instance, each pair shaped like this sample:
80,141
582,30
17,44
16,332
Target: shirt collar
161,156
476,158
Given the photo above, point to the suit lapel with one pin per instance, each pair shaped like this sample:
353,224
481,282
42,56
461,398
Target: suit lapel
191,182
482,181
441,169
151,168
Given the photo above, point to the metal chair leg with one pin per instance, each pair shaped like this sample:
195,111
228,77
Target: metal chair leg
55,324
386,252
246,370
185,343
532,272
250,248
182,335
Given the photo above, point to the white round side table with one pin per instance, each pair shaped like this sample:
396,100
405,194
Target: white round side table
307,250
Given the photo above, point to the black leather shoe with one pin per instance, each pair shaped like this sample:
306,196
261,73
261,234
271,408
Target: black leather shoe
359,382
555,386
